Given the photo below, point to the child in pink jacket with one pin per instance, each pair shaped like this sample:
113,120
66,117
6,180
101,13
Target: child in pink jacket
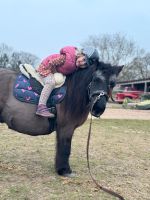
69,60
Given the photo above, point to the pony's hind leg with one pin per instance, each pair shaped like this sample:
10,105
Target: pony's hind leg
63,149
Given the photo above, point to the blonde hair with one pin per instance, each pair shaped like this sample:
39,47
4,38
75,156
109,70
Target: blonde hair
79,52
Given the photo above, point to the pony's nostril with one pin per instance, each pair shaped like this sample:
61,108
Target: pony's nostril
99,106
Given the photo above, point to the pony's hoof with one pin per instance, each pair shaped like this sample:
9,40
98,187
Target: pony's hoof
71,175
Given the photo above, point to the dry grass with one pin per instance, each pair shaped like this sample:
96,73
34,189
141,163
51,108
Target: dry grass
119,154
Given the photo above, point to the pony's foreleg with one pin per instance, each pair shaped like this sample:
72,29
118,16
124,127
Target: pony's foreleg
63,149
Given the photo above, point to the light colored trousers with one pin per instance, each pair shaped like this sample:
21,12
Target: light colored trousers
49,85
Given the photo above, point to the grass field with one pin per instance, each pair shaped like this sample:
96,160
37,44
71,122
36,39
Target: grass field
119,157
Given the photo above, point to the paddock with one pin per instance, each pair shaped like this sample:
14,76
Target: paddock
119,157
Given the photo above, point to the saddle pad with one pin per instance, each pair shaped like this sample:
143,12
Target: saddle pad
23,92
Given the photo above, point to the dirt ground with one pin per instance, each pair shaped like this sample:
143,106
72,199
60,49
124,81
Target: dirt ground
119,160
119,113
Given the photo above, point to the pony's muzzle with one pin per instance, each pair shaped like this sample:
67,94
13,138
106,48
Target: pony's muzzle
98,106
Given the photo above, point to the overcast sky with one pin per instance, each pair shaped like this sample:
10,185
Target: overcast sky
42,27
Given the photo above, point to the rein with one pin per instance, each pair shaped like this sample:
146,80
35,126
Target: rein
88,163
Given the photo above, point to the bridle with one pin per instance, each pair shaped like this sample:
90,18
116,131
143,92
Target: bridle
98,94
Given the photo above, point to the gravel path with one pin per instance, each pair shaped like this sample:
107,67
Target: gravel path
112,113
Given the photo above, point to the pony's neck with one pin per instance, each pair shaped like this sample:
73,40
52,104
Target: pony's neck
76,101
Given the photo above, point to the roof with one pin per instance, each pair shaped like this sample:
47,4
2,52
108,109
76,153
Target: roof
134,81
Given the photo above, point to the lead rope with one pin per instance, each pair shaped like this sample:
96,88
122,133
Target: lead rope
89,169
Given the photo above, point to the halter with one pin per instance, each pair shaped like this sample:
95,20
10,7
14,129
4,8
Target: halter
100,93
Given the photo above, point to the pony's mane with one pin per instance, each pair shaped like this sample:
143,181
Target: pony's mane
77,83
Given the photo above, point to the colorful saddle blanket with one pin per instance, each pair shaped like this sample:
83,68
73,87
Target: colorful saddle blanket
23,91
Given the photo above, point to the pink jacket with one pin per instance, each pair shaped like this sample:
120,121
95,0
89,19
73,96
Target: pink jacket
68,66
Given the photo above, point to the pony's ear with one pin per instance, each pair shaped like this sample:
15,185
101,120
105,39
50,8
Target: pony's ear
120,68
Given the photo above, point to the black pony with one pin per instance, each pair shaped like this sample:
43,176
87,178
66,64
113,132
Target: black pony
86,88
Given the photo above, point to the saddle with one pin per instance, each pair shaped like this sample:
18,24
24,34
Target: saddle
28,87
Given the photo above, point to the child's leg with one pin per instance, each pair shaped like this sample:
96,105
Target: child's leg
49,84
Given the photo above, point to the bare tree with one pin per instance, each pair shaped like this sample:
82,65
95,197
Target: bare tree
115,49
5,53
4,59
140,66
22,57
12,59
5,49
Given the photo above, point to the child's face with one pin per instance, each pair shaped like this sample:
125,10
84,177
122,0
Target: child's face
80,62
